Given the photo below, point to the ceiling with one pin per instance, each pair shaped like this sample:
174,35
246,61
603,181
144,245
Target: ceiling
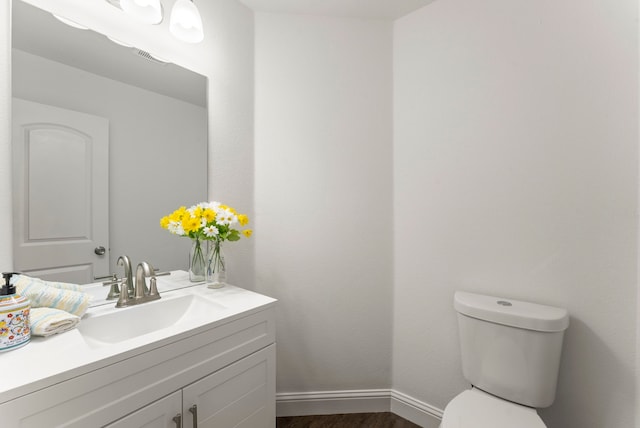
371,9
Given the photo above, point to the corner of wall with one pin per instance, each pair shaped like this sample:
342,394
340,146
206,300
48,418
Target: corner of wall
6,231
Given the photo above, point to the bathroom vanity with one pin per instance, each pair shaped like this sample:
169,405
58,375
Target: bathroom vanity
195,358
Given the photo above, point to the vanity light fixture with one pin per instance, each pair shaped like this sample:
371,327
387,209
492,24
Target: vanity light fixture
118,42
70,22
149,57
185,22
147,11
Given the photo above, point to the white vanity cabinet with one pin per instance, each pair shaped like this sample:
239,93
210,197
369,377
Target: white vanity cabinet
237,396
166,412
226,369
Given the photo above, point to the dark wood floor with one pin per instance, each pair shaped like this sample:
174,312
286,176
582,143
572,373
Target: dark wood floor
353,420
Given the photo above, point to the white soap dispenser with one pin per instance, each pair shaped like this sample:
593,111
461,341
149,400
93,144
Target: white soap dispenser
15,329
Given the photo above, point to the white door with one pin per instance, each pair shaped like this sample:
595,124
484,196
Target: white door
61,193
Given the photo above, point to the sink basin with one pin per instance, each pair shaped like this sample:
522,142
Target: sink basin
114,325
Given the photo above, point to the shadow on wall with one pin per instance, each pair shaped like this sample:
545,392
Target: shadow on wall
589,371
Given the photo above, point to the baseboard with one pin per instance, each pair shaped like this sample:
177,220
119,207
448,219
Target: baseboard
333,402
358,401
418,412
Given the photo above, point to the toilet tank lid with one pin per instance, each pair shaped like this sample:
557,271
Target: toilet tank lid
514,313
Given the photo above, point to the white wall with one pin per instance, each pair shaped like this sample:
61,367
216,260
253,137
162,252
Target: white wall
6,216
323,197
515,168
225,56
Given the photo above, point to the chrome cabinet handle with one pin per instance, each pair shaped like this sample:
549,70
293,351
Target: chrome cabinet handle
101,251
178,420
194,410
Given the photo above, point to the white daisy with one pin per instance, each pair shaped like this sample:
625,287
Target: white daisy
212,205
226,217
175,227
210,231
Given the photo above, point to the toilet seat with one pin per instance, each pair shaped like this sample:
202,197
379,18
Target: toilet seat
477,409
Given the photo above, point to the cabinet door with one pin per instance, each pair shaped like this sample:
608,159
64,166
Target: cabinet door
241,395
158,414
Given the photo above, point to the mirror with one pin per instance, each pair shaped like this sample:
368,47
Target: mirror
157,132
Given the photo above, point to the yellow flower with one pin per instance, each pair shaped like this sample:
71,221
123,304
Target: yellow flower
209,215
243,219
178,214
247,232
190,224
164,222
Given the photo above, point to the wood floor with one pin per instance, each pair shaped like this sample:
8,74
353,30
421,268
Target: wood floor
353,420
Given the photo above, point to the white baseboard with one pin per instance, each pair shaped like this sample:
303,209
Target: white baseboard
332,402
358,401
418,412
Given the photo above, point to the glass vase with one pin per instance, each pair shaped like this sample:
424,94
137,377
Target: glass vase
216,270
197,263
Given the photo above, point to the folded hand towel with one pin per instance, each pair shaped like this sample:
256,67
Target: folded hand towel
61,285
42,295
49,321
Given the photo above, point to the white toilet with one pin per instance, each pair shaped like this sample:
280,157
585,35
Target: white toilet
510,355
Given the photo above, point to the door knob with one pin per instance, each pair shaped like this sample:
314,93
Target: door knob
100,251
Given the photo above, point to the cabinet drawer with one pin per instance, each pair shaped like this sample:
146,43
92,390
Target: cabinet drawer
97,398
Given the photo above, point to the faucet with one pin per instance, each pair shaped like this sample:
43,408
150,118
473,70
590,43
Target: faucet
141,293
144,270
127,284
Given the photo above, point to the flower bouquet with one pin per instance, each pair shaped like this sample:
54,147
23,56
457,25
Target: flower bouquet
210,222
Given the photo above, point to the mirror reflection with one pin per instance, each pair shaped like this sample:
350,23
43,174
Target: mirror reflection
144,139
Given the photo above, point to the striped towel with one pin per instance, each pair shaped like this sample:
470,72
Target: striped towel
49,321
60,285
43,295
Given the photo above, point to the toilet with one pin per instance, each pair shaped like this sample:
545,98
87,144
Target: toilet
511,355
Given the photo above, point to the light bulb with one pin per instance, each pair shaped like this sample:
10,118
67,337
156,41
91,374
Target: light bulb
185,22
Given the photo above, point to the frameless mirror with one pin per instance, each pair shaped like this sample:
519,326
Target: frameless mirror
155,118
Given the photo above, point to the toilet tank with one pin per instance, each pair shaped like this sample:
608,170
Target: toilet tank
511,348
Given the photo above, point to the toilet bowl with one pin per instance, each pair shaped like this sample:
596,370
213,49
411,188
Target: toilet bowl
474,408
511,356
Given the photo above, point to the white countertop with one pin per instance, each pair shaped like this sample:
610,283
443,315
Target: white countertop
47,361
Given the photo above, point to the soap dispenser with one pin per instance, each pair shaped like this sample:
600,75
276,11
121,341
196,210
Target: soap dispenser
15,330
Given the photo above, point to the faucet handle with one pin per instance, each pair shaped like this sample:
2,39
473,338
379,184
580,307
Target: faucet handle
114,282
111,277
114,291
153,289
123,297
157,273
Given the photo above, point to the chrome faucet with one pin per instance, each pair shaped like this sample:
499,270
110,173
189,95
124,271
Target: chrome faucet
127,283
141,293
142,271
